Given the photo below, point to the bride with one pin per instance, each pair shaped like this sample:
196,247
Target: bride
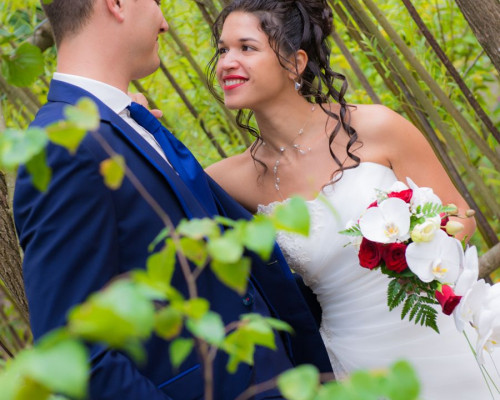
273,60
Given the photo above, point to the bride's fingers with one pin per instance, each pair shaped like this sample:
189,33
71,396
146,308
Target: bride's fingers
143,101
157,113
139,98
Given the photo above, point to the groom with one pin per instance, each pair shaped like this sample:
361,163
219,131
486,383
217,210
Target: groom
80,234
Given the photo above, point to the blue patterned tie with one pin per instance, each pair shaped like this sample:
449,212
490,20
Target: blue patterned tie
179,156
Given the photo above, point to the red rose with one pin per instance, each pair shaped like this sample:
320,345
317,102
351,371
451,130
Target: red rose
395,257
404,195
444,221
370,254
447,299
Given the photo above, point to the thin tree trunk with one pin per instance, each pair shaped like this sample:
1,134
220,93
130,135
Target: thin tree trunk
489,261
11,272
483,17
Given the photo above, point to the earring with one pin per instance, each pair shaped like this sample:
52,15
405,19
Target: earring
298,84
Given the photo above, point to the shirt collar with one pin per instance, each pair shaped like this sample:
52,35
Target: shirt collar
113,97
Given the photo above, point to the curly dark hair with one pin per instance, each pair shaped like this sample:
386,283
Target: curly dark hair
292,25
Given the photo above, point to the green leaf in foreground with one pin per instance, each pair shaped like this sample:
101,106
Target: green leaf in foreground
300,383
210,328
23,66
66,134
40,172
226,249
57,364
239,348
194,308
254,330
159,270
113,171
399,382
120,315
81,118
179,350
403,383
292,216
195,250
18,147
259,236
234,275
259,332
273,323
169,322
84,114
198,228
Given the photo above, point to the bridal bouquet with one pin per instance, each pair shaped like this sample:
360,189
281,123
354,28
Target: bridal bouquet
407,234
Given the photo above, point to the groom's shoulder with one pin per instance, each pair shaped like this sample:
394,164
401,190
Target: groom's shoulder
49,113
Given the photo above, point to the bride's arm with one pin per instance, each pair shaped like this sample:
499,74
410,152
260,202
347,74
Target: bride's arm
409,154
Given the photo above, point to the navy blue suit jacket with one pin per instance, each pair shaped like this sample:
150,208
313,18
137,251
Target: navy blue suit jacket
80,234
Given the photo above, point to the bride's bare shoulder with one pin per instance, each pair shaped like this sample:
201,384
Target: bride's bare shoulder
232,172
374,118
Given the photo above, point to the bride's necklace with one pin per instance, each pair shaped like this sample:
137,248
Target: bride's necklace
295,146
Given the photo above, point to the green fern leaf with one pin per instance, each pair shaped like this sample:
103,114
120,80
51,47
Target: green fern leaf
410,301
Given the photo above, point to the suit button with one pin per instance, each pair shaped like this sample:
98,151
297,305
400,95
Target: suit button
248,299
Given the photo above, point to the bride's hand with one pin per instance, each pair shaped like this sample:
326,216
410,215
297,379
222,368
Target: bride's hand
141,99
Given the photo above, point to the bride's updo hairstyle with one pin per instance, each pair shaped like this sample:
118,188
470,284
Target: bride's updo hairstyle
291,26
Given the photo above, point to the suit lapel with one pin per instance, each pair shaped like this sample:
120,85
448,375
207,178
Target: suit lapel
70,94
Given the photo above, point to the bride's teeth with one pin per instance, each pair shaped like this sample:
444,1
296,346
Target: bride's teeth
234,82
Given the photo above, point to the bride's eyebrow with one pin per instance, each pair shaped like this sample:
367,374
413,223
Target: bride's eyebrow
242,40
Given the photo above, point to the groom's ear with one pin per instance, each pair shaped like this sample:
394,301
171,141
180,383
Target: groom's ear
115,7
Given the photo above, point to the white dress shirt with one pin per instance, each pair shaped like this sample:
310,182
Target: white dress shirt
115,99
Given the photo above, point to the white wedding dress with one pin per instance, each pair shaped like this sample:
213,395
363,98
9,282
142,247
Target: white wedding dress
357,327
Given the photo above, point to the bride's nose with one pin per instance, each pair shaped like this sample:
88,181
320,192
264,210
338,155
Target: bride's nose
228,61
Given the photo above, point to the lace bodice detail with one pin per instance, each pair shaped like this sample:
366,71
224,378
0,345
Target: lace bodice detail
294,247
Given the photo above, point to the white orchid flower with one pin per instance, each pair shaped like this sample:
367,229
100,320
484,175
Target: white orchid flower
387,223
421,196
469,271
438,259
488,333
486,319
472,302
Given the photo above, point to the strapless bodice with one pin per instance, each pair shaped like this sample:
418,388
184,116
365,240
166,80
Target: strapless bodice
358,329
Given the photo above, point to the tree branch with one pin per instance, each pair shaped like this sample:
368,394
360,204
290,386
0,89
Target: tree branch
489,261
483,17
